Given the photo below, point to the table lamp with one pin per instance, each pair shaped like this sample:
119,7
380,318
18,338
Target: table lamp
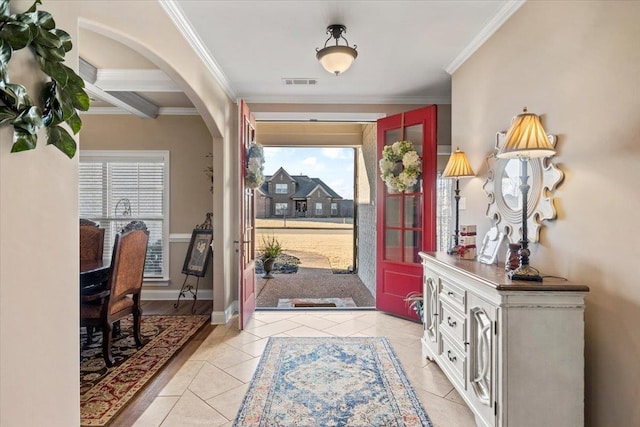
457,167
526,139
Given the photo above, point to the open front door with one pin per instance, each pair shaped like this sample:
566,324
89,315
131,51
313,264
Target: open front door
406,222
247,135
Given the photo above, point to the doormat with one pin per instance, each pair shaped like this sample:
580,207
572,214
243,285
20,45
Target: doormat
315,302
330,382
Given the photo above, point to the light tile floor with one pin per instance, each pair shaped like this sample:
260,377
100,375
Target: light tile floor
209,387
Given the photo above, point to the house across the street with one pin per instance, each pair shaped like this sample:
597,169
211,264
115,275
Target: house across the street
284,195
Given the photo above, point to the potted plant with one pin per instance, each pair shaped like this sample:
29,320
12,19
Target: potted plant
415,301
271,249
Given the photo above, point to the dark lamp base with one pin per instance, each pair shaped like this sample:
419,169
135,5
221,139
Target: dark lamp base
524,272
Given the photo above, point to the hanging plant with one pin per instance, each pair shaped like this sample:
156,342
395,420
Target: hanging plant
254,172
400,166
60,98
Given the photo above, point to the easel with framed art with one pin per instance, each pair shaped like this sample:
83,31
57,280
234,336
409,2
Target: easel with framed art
196,260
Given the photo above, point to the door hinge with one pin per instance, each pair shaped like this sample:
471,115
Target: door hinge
495,408
495,328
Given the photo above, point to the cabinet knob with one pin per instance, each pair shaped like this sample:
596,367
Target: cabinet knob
450,293
451,323
451,358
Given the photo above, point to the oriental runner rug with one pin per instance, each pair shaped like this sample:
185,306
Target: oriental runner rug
105,391
330,382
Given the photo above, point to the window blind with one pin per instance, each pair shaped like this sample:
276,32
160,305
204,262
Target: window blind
118,187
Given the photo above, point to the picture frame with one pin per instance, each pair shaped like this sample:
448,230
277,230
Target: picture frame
490,245
197,257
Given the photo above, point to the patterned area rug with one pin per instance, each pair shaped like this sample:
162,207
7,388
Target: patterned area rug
104,391
330,382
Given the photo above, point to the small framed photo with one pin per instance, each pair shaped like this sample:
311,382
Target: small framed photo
490,245
195,262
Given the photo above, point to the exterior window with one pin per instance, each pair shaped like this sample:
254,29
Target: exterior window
334,209
282,188
282,208
116,187
318,208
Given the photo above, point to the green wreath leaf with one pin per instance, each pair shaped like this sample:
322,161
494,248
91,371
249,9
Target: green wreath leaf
61,97
58,136
5,52
23,140
75,123
4,9
17,34
7,115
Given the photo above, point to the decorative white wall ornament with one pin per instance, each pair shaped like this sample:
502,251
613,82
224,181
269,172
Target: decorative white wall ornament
505,198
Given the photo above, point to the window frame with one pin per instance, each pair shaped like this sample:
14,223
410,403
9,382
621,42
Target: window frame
319,209
334,209
286,188
139,156
286,209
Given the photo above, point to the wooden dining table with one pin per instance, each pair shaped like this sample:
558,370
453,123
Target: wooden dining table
93,274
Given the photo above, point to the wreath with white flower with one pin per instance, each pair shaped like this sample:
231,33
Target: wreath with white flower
400,166
254,171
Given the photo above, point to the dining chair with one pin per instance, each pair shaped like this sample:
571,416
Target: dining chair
91,240
121,297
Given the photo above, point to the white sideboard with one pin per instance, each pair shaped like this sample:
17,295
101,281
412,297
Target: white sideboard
513,350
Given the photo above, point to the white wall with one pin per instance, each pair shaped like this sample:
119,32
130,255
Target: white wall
578,65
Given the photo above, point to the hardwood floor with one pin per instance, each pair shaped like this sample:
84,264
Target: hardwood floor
143,399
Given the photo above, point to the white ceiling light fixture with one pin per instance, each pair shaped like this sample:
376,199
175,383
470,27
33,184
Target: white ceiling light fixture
336,59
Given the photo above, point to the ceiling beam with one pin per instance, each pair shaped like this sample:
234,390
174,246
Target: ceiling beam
129,101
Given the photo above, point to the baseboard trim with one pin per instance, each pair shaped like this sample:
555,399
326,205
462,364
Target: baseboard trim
172,294
223,317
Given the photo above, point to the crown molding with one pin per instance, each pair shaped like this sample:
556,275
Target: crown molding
503,14
284,116
168,111
151,80
422,100
175,13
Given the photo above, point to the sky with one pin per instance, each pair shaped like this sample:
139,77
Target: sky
332,165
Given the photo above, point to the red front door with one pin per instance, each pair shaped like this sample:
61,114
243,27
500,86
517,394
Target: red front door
406,221
247,221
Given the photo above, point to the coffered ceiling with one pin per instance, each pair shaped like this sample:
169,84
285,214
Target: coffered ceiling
406,52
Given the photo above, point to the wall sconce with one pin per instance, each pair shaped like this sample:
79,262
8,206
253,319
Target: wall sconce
457,167
526,139
336,59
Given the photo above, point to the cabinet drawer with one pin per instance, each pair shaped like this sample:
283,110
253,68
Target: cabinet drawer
453,322
453,293
454,362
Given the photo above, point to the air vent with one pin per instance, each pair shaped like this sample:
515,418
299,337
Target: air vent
299,81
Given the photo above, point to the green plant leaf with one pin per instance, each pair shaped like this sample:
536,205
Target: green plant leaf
74,79
66,103
59,137
75,123
5,51
51,54
48,97
14,96
81,100
47,39
4,8
33,6
6,115
17,34
64,37
28,120
23,141
45,20
56,70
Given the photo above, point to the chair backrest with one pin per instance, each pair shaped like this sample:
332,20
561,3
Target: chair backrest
91,241
127,263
